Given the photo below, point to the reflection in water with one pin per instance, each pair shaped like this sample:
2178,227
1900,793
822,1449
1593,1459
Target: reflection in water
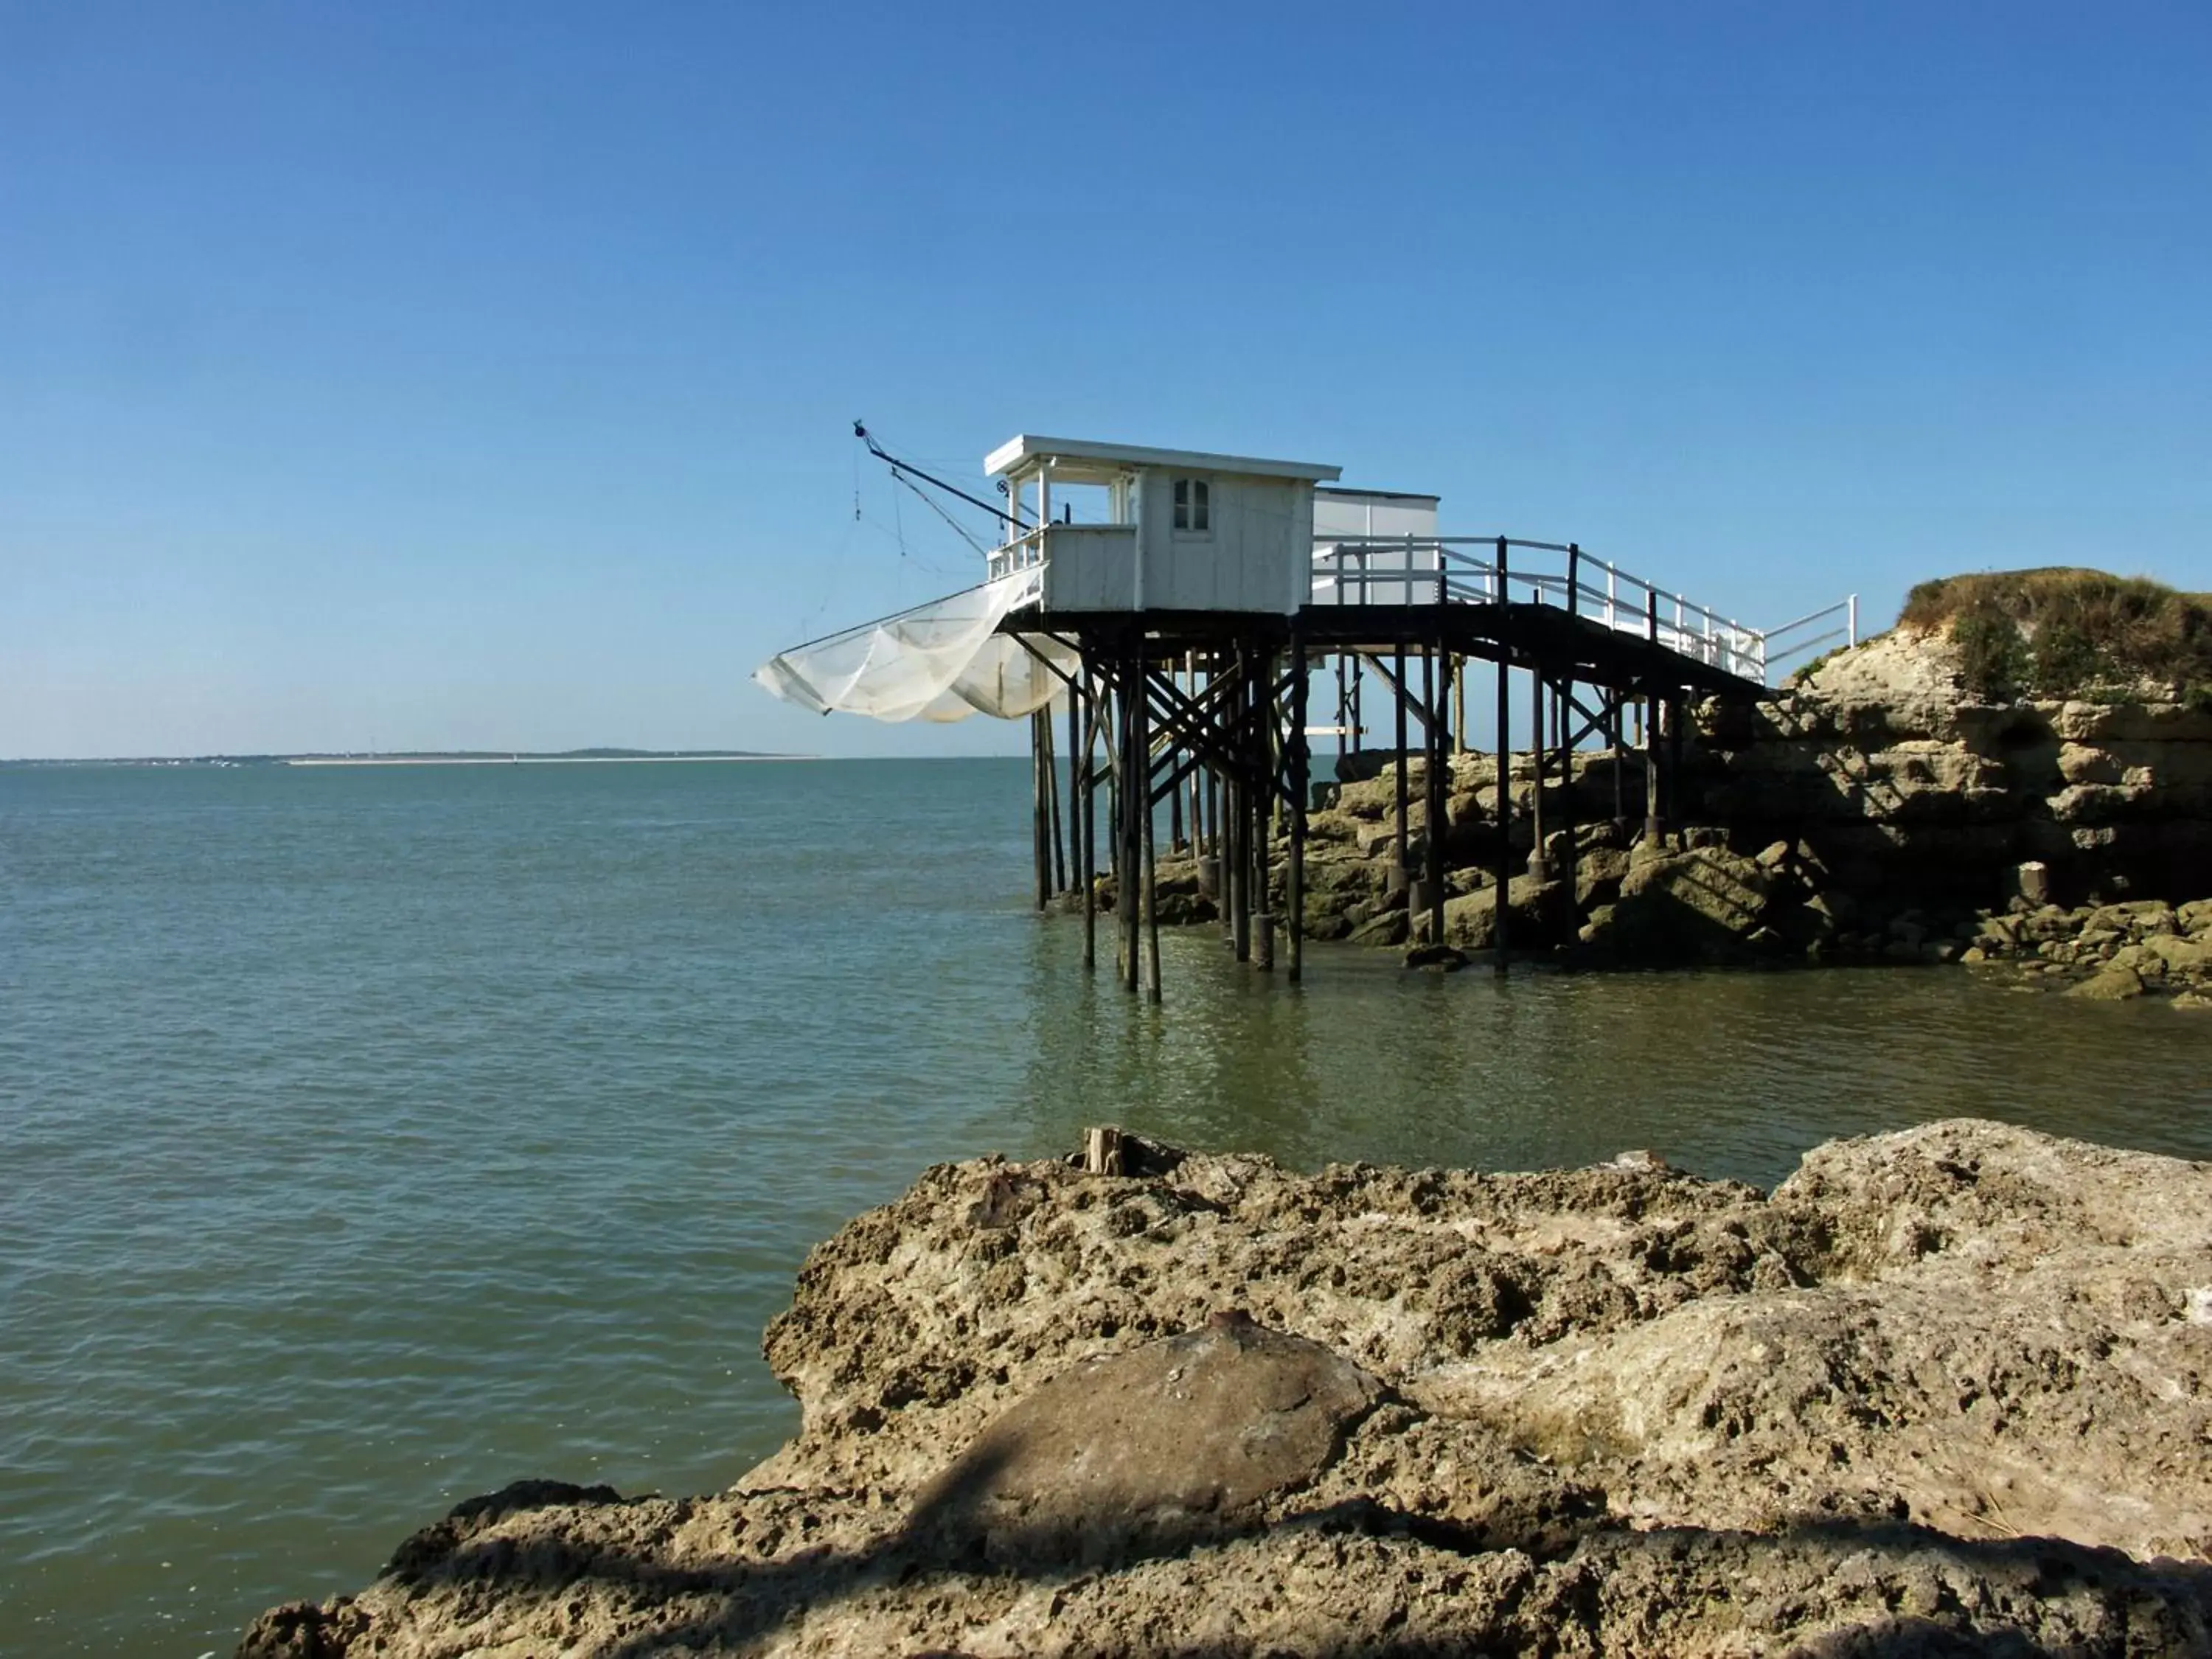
1726,1073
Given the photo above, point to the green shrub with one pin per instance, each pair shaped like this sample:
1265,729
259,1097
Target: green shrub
2088,627
1992,659
2065,661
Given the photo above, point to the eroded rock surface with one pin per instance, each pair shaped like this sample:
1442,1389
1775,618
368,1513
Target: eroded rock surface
1941,1391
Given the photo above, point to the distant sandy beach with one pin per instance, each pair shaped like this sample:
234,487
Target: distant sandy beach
526,760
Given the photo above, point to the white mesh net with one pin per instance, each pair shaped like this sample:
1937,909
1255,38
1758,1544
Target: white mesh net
940,661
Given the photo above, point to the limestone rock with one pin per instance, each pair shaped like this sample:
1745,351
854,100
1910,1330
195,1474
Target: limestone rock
1902,683
2114,984
1160,1444
1388,929
1532,918
1705,903
1939,1392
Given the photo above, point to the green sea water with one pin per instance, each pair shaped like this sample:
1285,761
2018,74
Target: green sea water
371,1138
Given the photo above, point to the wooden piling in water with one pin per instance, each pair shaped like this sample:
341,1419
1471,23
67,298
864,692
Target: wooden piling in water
1502,856
1539,691
1301,792
1244,815
1087,806
1151,853
1568,803
1677,720
1175,791
1134,814
1400,874
1437,684
1653,826
1059,823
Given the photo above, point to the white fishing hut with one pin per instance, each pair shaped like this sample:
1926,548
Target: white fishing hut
1184,530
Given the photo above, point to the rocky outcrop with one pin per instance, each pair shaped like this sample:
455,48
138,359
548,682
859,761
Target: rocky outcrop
1871,810
1945,1390
1904,786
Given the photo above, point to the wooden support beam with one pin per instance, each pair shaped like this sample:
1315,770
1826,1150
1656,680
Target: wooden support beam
1144,747
1300,793
1439,677
1653,827
1396,683
1087,805
1537,753
1135,806
1568,802
1501,857
1677,721
1399,872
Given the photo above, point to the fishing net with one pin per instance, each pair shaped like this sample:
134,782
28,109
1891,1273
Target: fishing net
940,661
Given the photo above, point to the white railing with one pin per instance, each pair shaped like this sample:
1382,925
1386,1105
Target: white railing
1484,570
1024,552
1780,644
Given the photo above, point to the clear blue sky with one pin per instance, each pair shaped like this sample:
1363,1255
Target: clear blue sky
437,375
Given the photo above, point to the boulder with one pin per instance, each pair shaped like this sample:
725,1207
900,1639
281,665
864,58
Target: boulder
1388,928
2113,984
1705,902
1533,916
1154,1446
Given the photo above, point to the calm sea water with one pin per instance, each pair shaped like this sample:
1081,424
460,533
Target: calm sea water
371,1138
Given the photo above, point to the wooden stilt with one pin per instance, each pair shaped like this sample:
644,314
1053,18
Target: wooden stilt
1435,681
1358,721
1245,814
1343,714
1111,733
1677,722
1086,804
1653,827
1063,823
1400,874
1300,793
1502,873
1174,795
1151,853
1135,768
1565,729
1228,842
1059,859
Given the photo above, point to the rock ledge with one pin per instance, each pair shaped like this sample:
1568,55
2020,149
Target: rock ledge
1941,1391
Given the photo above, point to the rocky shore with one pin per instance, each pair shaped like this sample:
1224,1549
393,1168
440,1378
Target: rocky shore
1942,1391
1894,803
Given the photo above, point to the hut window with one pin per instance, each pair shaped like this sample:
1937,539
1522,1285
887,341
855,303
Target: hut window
1192,509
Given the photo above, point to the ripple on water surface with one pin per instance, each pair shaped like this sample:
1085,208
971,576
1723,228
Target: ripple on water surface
375,1137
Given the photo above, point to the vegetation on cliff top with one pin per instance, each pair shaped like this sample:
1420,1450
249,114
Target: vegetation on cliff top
2061,632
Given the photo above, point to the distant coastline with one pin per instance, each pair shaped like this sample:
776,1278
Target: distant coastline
586,758
434,757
